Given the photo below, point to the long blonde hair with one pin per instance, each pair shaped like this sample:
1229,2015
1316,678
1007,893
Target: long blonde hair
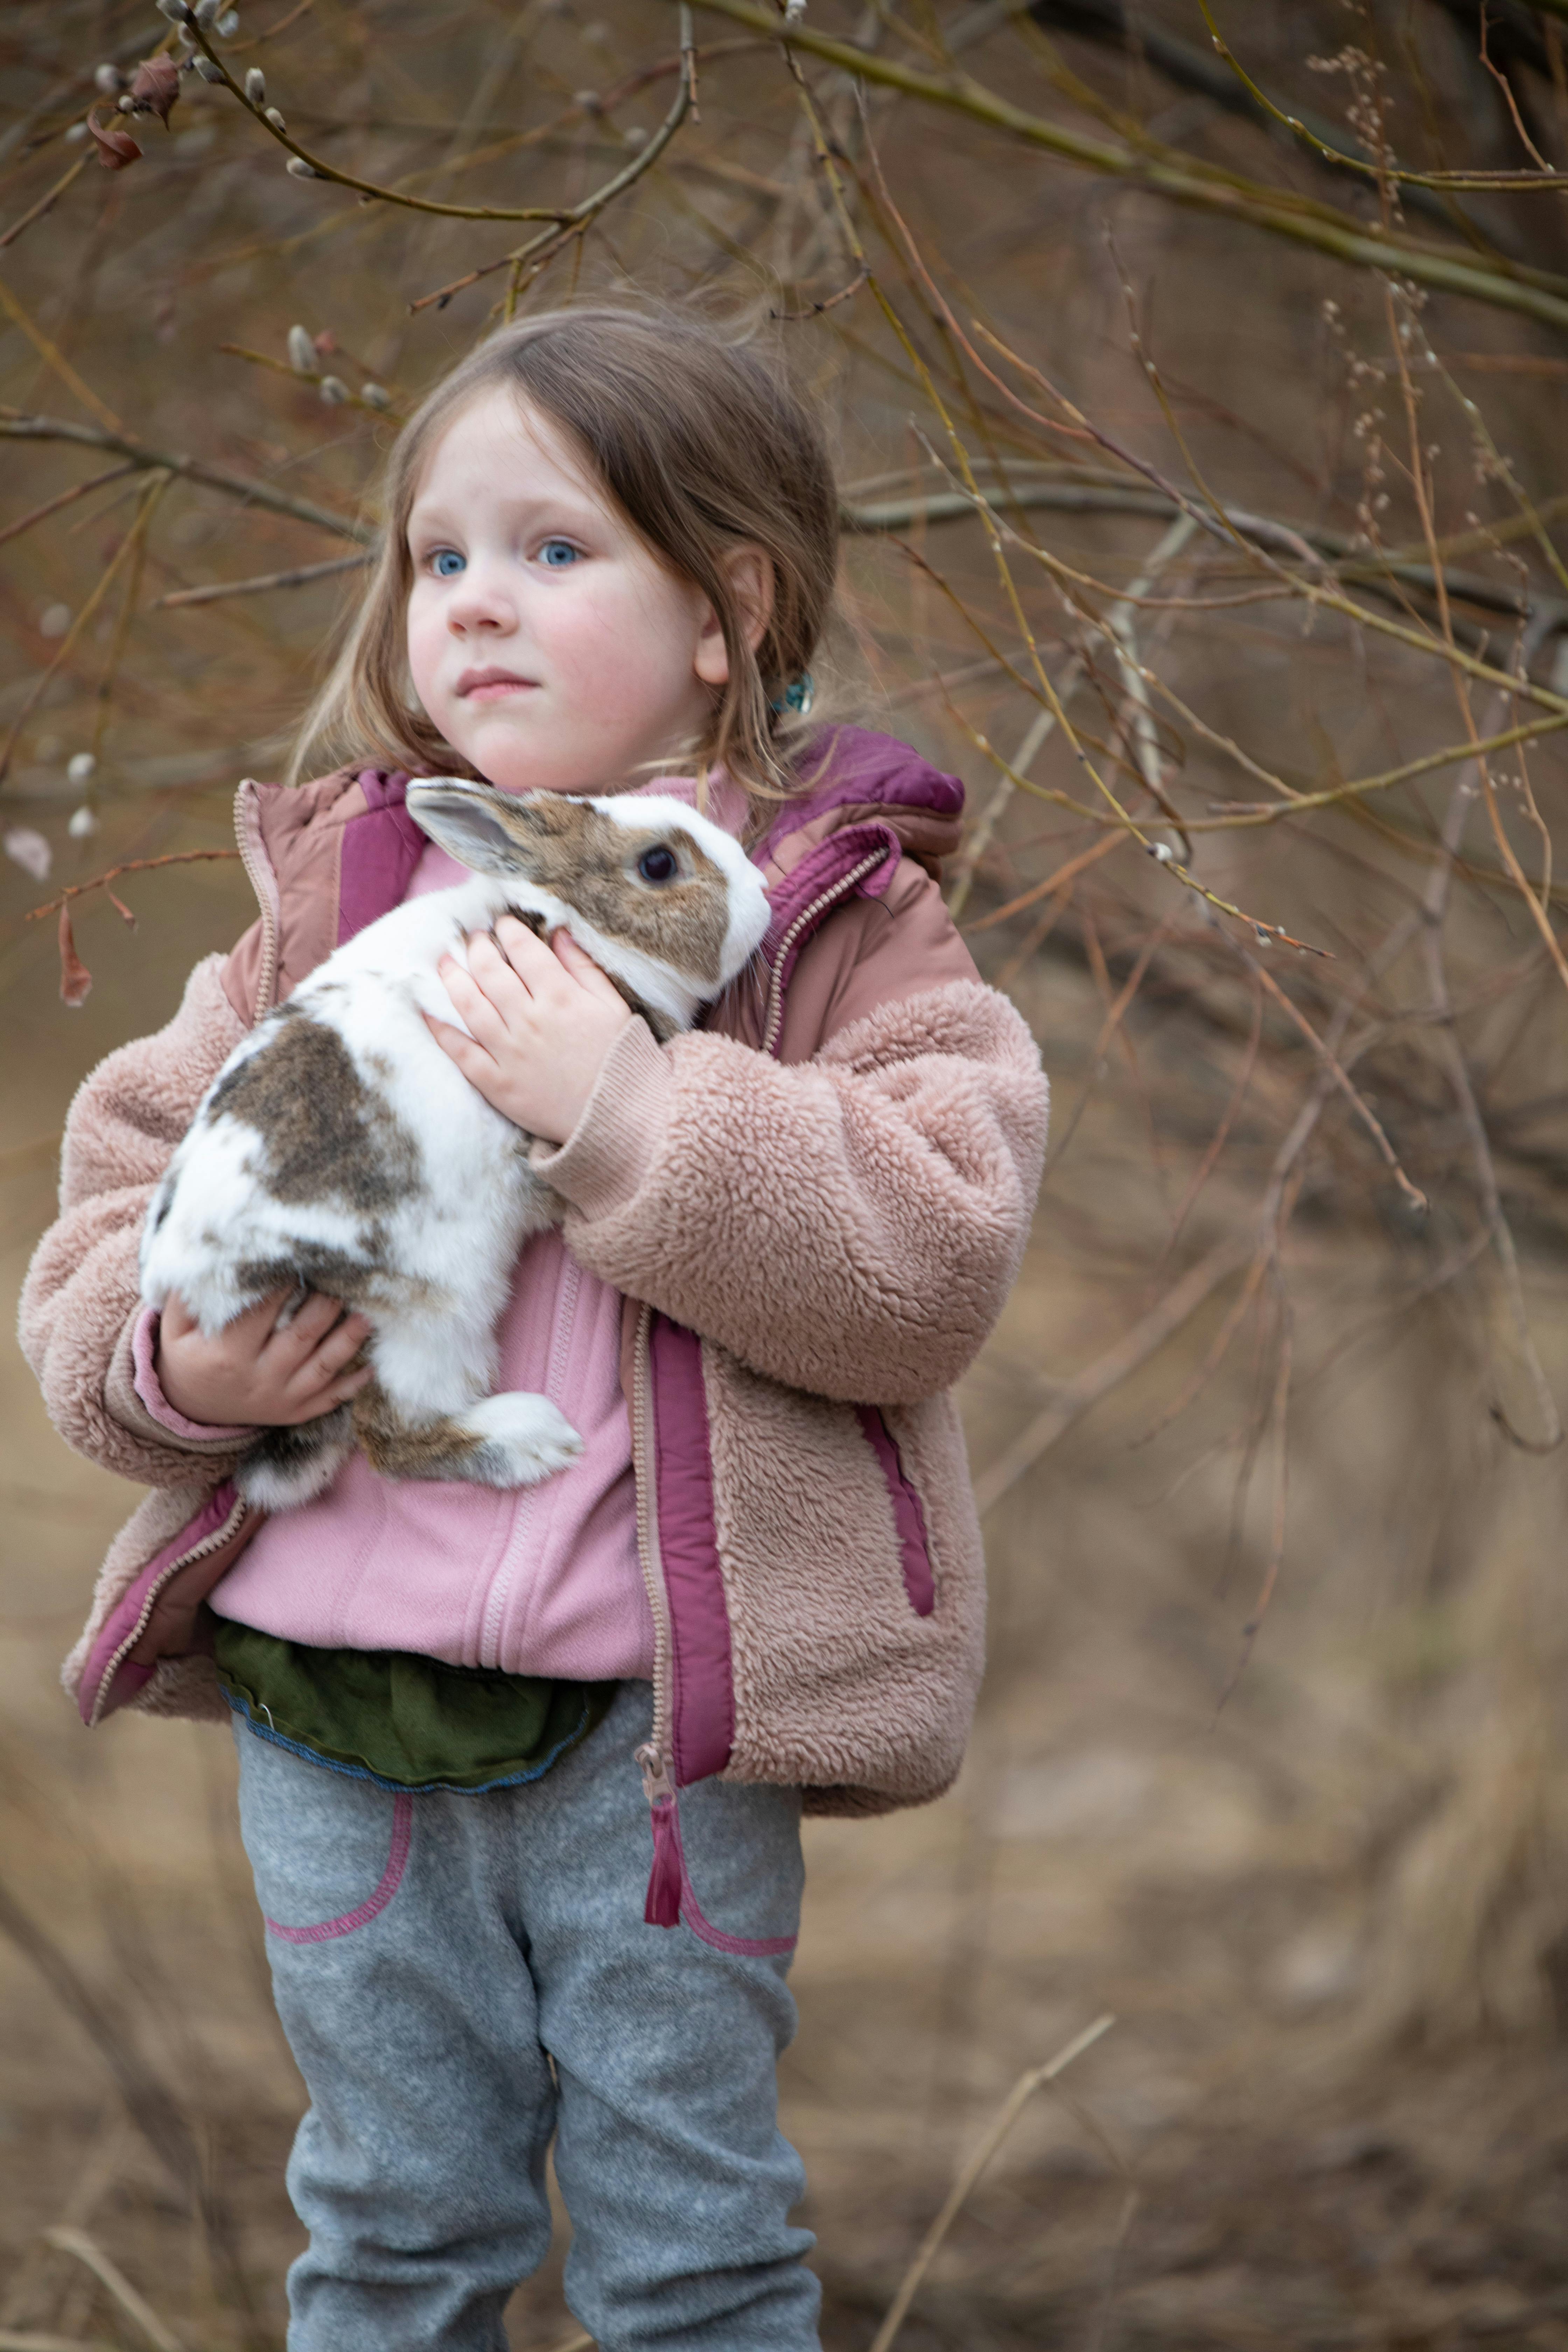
701,444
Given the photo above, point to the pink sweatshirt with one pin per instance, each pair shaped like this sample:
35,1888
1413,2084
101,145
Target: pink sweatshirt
539,1580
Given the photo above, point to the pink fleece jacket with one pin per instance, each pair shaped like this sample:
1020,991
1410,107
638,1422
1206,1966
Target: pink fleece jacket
539,1580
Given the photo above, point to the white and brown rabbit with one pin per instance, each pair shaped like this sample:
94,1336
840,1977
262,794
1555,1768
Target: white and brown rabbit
340,1149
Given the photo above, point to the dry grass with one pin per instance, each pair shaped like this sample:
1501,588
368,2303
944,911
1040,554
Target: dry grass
1207,520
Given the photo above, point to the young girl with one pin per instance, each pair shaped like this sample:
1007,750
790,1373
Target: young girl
609,553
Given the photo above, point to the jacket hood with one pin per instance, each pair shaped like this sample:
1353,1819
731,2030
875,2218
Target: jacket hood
855,778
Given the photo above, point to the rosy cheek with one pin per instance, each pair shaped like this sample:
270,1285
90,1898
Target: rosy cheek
424,640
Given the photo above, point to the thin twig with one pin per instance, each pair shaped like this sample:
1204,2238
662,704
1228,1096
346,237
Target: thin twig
63,499
108,2273
17,424
217,590
125,551
46,203
132,866
1146,1337
1006,2116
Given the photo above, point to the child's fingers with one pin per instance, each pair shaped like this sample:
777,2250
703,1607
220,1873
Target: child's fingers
579,964
475,997
248,1333
468,1055
324,1399
295,1339
506,983
522,949
339,1348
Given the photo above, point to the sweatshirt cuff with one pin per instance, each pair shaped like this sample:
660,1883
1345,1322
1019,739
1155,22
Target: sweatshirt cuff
608,1153
146,1388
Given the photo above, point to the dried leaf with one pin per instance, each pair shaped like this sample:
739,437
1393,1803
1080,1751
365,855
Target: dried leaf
117,151
156,87
75,978
30,851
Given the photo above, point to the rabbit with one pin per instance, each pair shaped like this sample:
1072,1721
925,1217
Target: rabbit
340,1150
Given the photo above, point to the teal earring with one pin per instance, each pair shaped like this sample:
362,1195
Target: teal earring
798,696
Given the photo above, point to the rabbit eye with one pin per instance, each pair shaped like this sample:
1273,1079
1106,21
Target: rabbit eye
658,864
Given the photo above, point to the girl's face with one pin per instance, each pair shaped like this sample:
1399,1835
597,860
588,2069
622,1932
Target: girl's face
546,641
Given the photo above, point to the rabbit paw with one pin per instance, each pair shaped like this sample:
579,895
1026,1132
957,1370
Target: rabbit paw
523,1438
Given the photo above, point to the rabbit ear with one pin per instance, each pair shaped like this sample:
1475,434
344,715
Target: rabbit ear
491,832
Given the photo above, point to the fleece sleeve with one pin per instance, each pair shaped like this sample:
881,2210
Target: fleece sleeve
81,1303
849,1226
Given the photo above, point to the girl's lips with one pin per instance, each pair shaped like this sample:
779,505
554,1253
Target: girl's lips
496,688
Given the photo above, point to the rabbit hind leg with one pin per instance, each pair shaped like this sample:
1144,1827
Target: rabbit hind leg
287,1466
502,1440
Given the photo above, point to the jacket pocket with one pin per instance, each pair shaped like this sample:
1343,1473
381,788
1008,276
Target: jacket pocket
909,1518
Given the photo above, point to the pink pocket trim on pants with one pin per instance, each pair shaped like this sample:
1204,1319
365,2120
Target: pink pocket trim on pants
671,1897
373,1904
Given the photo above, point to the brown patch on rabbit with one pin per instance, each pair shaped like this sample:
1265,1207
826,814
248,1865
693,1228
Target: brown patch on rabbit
589,861
400,1449
327,1136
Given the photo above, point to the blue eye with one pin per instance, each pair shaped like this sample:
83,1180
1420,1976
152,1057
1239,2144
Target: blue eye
445,563
558,554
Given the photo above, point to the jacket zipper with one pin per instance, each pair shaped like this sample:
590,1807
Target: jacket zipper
214,1542
655,1756
523,1505
808,915
267,978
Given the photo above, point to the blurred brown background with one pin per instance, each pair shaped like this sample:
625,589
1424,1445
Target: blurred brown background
1270,1762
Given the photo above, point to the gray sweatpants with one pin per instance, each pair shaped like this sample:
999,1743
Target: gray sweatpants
460,1976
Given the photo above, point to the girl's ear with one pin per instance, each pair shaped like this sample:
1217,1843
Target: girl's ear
750,573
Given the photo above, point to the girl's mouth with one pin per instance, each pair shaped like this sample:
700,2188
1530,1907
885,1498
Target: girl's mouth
490,685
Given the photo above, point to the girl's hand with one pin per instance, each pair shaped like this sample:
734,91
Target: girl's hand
543,1018
256,1370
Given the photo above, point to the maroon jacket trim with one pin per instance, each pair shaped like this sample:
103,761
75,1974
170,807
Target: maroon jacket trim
381,848
703,1690
914,1544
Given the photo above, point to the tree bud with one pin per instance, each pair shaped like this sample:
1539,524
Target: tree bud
227,24
376,396
208,70
178,11
206,10
83,823
302,170
109,79
271,115
256,86
79,767
302,353
334,391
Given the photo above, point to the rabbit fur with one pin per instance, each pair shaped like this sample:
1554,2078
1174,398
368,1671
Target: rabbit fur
340,1149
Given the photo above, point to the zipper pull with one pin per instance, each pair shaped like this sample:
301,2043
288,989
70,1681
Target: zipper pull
666,1880
656,1783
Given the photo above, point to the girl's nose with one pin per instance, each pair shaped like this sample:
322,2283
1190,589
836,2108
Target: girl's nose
480,601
